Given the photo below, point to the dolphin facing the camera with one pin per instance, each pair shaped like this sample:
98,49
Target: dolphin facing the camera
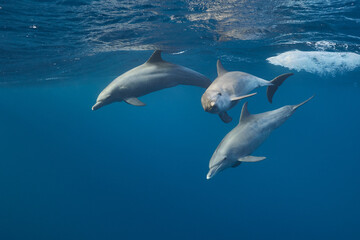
230,87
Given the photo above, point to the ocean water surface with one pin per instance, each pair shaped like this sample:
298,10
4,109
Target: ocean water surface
126,172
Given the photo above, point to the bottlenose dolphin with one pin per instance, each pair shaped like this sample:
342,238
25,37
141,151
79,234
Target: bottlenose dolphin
226,90
248,135
155,74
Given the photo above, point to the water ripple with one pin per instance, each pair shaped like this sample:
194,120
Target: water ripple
40,33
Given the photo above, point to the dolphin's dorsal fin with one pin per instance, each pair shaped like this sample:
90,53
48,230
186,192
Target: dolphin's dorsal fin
244,113
155,57
220,69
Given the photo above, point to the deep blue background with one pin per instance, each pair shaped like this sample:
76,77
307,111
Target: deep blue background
126,172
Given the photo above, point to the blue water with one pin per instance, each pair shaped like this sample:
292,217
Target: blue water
126,172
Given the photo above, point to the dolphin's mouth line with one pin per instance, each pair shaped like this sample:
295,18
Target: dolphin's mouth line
211,108
213,170
96,106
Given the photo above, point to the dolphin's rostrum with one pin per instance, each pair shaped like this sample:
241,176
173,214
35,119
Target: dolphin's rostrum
230,87
155,74
252,130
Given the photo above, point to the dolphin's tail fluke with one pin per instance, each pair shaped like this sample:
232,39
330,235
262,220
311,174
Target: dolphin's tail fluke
275,83
296,106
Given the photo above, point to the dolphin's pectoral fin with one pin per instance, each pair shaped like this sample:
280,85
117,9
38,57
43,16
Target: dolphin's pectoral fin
134,101
236,164
251,159
225,117
242,97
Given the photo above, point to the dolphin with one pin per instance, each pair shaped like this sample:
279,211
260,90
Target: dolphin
226,90
252,130
155,74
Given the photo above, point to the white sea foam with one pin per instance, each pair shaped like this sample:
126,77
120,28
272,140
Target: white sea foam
177,53
319,62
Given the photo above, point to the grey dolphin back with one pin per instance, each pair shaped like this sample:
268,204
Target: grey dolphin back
275,83
196,79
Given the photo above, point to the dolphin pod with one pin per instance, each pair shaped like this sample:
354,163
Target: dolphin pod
155,74
226,90
220,96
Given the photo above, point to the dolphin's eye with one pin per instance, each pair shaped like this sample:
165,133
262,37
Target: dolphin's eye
219,94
